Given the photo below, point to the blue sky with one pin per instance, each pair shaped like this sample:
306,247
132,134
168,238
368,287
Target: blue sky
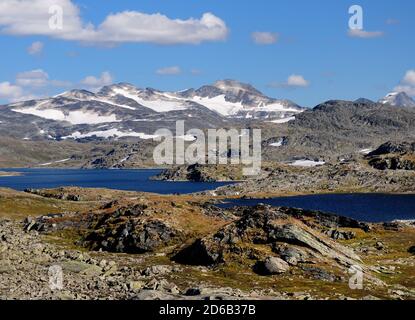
312,44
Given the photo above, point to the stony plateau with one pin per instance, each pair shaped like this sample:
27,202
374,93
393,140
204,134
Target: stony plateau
125,245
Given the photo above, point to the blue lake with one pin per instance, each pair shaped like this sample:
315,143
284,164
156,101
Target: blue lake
363,207
131,180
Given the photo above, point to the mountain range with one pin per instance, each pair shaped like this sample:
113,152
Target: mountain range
114,127
122,110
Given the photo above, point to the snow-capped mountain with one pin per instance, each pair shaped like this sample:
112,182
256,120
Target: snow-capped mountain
125,110
228,98
398,99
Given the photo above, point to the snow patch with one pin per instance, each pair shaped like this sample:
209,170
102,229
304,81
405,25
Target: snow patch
156,105
109,134
187,138
365,151
113,103
307,163
59,161
74,117
283,120
277,144
219,105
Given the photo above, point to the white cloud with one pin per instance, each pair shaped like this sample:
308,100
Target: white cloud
31,17
264,38
409,78
35,48
30,85
169,71
33,78
293,81
356,33
407,84
95,83
297,81
9,91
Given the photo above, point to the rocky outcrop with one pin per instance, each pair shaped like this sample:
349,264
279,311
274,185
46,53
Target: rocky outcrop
59,193
392,163
393,156
340,235
342,177
260,231
131,236
201,173
394,147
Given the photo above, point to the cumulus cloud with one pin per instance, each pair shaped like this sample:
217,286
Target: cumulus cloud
33,17
264,38
407,84
356,33
33,78
293,81
169,71
95,83
9,91
29,85
297,81
35,48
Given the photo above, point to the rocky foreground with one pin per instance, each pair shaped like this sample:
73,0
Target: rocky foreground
141,247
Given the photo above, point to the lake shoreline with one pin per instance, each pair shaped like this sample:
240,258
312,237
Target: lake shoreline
9,174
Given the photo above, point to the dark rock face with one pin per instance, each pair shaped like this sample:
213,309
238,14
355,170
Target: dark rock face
394,147
320,274
202,173
202,252
131,236
393,156
393,226
412,250
392,163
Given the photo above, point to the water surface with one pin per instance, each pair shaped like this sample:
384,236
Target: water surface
130,180
363,207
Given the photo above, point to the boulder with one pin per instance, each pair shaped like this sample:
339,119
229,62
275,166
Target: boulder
272,266
340,235
291,254
157,271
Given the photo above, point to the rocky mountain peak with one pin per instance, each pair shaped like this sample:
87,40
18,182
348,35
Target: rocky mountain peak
76,94
235,87
123,86
398,99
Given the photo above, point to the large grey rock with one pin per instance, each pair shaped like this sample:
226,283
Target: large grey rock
274,265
